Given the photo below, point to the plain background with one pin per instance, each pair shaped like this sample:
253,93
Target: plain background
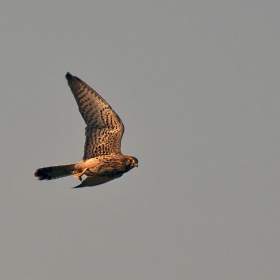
196,84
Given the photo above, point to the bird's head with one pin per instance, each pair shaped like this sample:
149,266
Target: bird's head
131,162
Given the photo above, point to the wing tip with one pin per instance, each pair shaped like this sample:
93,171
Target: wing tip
42,174
78,187
68,76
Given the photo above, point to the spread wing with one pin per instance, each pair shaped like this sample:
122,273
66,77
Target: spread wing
104,128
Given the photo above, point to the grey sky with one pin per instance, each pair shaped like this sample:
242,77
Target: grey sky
196,84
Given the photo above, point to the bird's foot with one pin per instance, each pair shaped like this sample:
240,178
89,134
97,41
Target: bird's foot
79,175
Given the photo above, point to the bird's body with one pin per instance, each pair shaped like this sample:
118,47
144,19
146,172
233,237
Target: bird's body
103,160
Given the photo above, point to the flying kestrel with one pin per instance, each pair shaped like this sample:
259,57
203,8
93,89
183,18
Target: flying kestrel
102,160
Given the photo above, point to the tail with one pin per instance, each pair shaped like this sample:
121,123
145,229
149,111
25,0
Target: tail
54,172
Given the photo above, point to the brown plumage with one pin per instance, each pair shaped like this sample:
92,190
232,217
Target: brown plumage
102,160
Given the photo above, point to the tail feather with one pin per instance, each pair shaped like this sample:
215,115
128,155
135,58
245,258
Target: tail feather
54,172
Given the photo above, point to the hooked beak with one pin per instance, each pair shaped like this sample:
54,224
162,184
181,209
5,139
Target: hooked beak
135,163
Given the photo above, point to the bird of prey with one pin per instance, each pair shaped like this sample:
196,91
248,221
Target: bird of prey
102,160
